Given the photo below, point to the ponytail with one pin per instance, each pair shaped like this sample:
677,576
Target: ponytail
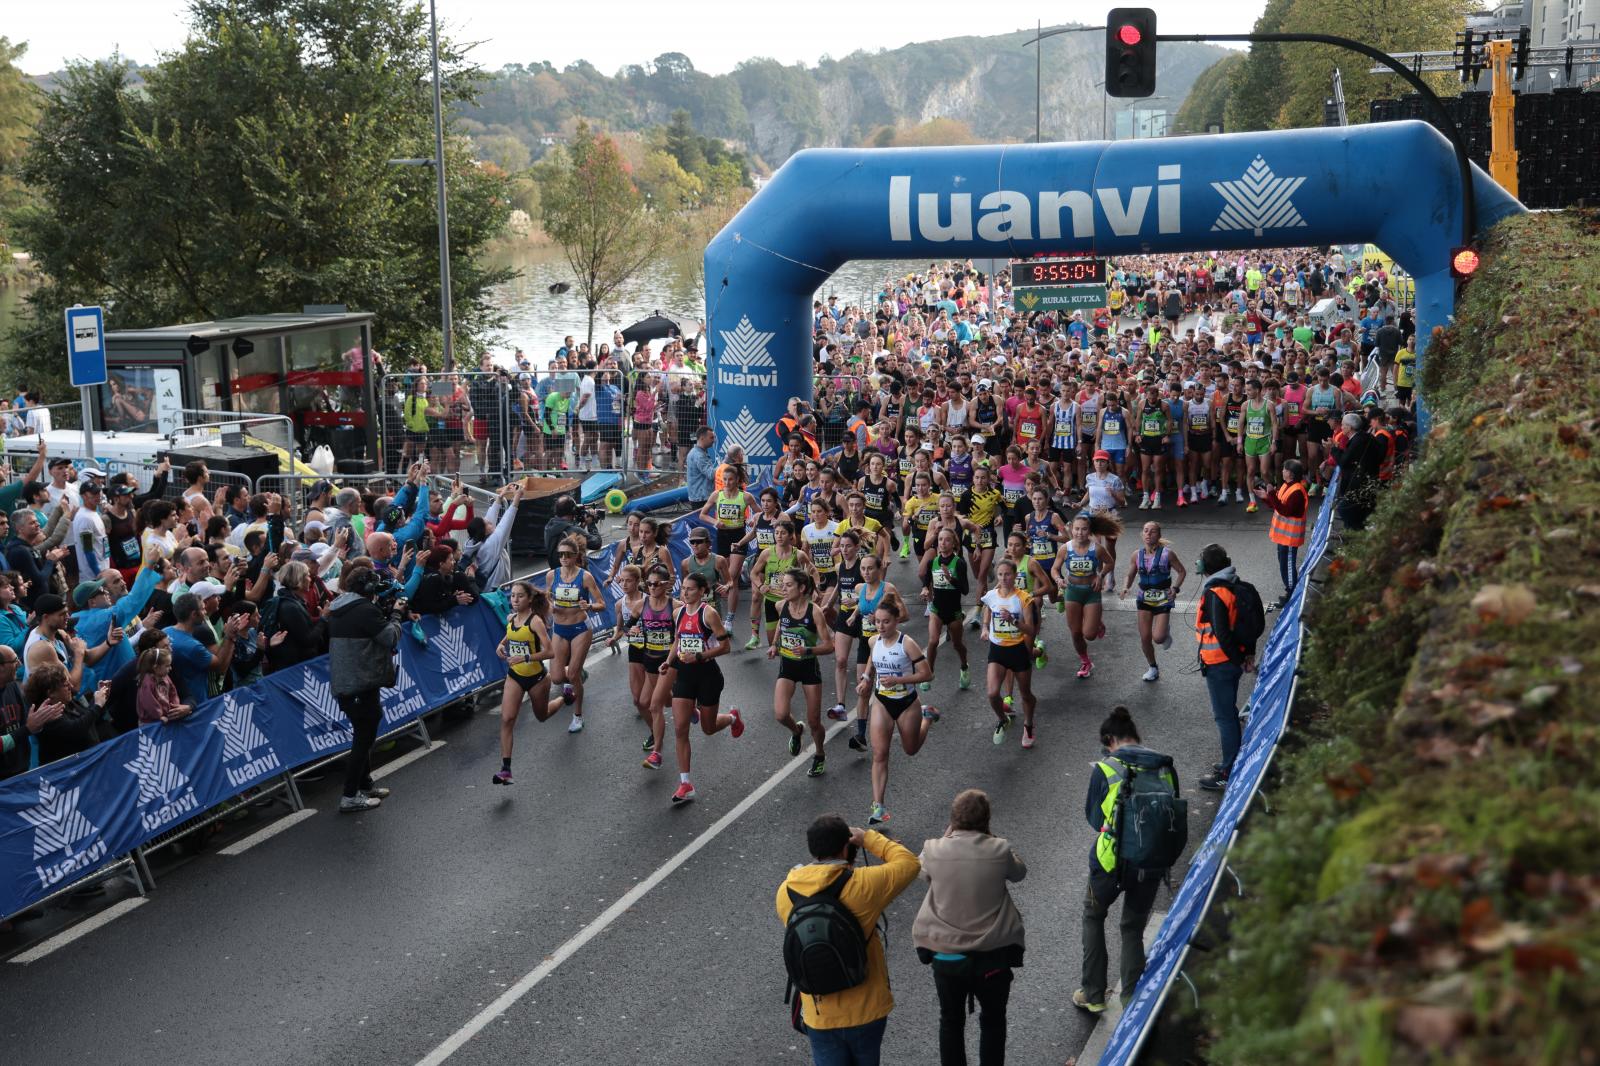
1118,726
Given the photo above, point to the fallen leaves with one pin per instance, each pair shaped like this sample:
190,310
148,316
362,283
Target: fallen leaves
1436,1028
1510,604
1348,786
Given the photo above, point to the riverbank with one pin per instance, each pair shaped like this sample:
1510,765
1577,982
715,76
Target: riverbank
1427,887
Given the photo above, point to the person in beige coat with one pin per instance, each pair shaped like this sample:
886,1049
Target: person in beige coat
969,930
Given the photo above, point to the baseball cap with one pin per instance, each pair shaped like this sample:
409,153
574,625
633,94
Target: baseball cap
314,524
1103,454
977,438
60,460
699,534
207,589
89,486
86,591
122,488
91,471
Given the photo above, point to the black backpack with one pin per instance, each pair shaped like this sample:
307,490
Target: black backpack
1251,623
824,946
1151,822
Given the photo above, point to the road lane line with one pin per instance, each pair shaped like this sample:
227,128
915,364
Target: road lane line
406,760
83,928
510,996
239,847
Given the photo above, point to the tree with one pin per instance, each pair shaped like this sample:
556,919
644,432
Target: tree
19,110
666,185
1255,87
1207,101
593,210
251,175
683,143
1389,25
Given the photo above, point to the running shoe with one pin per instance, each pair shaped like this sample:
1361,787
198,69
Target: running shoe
1238,495
569,695
1006,700
1041,658
684,793
1061,606
905,549
377,792
819,766
1144,504
1081,1001
838,713
1152,674
1222,499
794,743
1100,634
737,728
858,744
925,686
1181,501
1214,782
1155,502
878,815
649,742
755,639
1316,490
1000,731
931,714
964,678
977,622
1166,641
694,716
501,777
1252,507
1086,669
576,725
357,803
652,761
1027,737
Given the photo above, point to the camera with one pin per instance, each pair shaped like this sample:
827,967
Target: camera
387,595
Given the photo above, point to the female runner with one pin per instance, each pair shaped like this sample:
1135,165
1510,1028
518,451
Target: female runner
698,637
894,669
626,550
1009,623
880,495
944,583
1152,567
1079,569
920,508
1103,493
984,511
727,510
770,566
525,647
872,593
1014,488
840,606
802,635
1045,532
574,595
647,660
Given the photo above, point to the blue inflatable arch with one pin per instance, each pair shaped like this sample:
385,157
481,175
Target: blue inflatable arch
1392,184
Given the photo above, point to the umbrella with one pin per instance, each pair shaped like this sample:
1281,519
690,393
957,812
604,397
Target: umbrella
653,328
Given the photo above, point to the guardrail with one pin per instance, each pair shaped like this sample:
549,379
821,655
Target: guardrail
1270,703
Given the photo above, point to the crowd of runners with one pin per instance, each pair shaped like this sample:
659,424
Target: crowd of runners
982,483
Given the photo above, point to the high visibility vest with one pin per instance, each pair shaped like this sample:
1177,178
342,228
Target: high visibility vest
1211,650
1290,532
786,427
1105,845
859,423
1386,468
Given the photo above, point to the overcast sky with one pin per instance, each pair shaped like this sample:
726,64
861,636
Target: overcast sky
715,34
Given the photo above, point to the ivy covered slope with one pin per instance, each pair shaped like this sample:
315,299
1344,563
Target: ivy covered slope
1427,888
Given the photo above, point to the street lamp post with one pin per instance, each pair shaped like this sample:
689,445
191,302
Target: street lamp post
444,214
1038,74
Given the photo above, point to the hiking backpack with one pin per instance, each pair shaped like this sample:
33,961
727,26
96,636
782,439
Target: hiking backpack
824,946
1151,820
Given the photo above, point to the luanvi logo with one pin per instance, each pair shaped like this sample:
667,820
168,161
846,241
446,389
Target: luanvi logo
744,352
461,667
59,829
1259,201
1011,215
164,795
325,725
747,433
241,739
402,701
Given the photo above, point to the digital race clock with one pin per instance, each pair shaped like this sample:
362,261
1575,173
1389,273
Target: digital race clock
1034,272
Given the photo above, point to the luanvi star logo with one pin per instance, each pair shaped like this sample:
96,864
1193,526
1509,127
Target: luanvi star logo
747,433
1258,201
745,347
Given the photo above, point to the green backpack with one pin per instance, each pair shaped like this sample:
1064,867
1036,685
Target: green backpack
1152,821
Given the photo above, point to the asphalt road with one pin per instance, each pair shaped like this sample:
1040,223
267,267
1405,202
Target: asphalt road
375,939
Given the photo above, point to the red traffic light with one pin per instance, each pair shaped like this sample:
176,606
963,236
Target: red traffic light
1129,35
1464,262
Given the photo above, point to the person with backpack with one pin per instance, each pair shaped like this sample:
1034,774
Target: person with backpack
1142,827
832,945
969,930
1228,624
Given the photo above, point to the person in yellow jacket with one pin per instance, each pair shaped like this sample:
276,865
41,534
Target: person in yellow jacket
848,1026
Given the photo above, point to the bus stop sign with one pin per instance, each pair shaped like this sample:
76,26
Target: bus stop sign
86,346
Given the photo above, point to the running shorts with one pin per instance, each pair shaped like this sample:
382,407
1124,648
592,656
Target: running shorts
700,682
801,671
1014,657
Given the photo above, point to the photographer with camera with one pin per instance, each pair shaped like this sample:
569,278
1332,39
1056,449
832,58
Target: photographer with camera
832,949
570,519
363,631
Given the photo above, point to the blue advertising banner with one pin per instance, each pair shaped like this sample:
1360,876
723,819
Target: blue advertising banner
1269,706
63,821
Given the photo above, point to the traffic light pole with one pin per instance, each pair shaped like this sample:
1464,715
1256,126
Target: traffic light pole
1469,200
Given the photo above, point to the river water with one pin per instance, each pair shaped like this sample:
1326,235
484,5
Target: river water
537,320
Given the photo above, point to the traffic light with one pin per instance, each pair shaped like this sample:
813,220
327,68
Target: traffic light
1131,52
1464,263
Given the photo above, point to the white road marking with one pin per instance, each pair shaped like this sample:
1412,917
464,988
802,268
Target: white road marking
510,996
239,847
83,928
405,760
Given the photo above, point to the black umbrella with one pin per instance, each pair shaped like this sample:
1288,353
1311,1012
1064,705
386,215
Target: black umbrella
653,328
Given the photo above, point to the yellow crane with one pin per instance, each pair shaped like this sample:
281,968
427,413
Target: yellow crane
1502,111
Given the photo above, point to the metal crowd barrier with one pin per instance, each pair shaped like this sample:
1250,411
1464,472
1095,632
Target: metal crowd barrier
461,422
34,418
